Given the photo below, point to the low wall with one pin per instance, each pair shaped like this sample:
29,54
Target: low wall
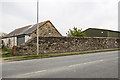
66,44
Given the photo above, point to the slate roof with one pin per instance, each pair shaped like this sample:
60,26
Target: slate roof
24,30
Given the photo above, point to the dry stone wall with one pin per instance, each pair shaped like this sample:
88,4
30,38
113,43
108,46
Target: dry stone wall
49,45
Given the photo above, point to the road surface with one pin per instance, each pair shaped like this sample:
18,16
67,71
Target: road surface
95,65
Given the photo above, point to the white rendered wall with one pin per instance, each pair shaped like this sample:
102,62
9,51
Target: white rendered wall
13,42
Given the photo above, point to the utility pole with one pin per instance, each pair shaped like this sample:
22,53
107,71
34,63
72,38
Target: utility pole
37,28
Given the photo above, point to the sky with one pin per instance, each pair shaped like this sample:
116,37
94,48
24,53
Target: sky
64,14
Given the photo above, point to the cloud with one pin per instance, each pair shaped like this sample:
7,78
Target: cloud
17,14
64,14
80,13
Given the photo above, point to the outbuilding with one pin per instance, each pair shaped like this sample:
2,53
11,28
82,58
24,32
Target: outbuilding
23,34
95,32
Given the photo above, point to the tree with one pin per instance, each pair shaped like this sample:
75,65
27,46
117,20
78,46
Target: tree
76,32
2,34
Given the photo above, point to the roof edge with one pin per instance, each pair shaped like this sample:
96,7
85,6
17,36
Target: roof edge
101,29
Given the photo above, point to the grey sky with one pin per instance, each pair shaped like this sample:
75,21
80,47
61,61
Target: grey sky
64,14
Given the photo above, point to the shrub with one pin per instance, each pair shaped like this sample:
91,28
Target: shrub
76,32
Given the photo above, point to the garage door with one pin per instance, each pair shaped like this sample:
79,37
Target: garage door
20,40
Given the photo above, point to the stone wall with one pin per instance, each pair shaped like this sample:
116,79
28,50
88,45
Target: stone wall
66,44
47,30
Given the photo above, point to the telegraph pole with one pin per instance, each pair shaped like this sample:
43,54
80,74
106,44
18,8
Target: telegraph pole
37,28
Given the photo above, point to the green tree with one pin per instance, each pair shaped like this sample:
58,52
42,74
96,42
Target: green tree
76,32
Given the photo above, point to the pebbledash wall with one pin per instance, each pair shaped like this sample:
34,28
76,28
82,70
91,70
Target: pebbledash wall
49,45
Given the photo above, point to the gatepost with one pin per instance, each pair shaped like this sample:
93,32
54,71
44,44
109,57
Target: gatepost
14,50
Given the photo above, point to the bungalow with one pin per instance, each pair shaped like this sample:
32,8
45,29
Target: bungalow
23,34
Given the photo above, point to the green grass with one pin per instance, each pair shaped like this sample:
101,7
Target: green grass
30,56
6,55
55,55
8,52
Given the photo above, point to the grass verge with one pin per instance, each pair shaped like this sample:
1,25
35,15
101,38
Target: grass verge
56,55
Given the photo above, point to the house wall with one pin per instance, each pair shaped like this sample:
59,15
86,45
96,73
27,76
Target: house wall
10,42
13,41
47,30
49,45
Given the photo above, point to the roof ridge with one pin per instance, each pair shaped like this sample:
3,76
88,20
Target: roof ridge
32,24
23,27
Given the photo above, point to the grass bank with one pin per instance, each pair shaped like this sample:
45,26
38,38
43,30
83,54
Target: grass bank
56,55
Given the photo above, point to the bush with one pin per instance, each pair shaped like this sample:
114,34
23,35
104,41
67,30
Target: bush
76,32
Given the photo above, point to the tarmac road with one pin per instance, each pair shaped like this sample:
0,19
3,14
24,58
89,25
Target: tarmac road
93,65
